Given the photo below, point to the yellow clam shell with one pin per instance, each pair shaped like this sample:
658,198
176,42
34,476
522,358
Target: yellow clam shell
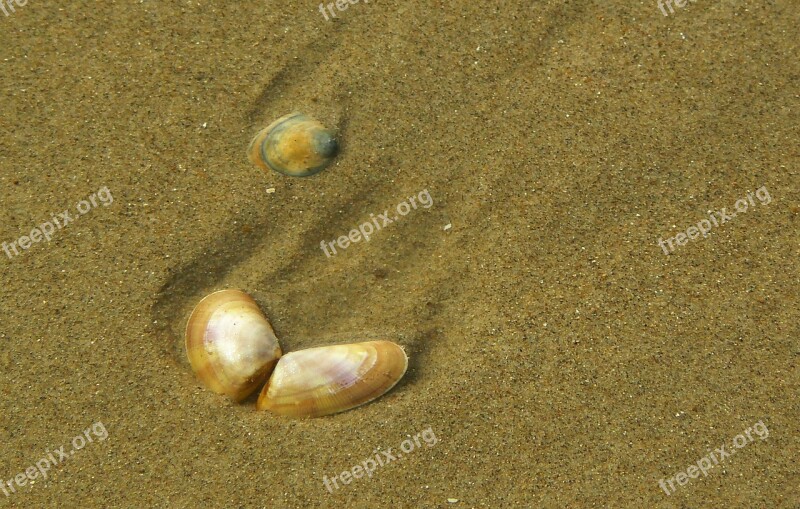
295,145
330,379
230,344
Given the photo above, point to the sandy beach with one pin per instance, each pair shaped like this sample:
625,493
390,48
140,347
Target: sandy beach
596,285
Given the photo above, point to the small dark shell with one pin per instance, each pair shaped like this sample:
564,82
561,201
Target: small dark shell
295,145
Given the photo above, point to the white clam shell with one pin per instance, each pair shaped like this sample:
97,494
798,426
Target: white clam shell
330,379
230,343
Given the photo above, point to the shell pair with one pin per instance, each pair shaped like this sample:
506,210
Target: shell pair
295,145
233,350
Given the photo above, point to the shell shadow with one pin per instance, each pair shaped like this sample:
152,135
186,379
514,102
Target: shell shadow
183,287
308,60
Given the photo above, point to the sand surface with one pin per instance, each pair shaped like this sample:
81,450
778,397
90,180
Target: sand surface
558,356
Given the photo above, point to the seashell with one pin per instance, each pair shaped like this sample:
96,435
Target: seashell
295,145
330,379
230,343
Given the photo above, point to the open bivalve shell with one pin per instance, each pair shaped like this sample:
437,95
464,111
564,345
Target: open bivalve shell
230,343
330,379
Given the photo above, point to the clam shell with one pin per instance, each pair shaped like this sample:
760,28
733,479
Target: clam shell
230,343
330,379
295,145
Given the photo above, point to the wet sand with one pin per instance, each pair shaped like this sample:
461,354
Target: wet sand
558,355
